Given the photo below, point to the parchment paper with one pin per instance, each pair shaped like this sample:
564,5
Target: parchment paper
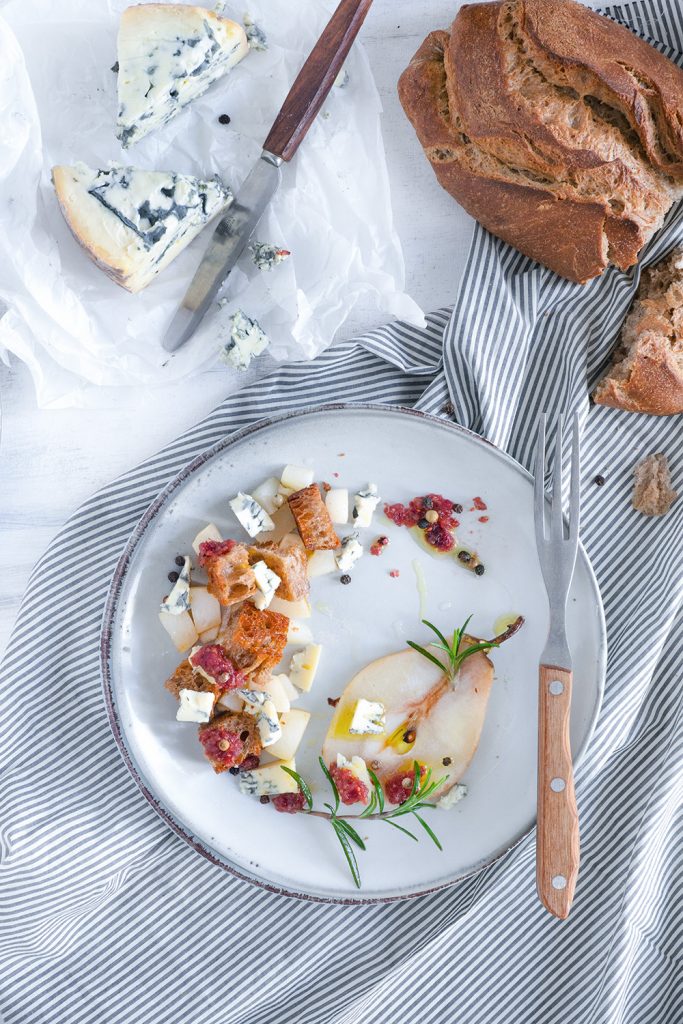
65,318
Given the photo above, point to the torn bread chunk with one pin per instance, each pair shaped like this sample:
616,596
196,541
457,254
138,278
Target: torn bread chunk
647,369
229,739
255,640
312,519
286,561
231,577
653,494
184,678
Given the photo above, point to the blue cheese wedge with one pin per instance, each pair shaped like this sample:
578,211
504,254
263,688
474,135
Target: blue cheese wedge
195,706
351,551
132,223
247,340
368,718
251,515
259,704
452,797
364,505
267,582
269,780
256,37
168,55
178,601
266,256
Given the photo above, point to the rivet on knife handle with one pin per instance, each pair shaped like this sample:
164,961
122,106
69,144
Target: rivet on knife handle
557,832
316,78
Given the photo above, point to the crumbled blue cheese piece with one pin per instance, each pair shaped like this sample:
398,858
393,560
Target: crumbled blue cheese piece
266,256
178,600
365,503
368,718
255,35
259,704
247,340
168,55
270,780
267,582
351,551
251,515
195,706
357,767
452,797
134,222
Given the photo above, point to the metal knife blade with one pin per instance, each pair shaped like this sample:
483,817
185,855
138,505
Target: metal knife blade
226,246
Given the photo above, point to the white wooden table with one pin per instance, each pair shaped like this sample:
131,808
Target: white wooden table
50,461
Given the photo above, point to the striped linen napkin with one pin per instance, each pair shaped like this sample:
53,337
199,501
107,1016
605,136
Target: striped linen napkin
107,917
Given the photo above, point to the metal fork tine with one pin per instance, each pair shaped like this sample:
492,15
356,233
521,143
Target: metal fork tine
575,483
539,483
556,522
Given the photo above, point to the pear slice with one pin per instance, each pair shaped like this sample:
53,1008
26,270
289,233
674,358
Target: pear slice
428,719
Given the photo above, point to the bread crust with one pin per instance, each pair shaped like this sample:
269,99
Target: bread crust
654,384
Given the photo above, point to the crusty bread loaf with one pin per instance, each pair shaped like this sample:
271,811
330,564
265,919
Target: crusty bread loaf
559,130
647,370
653,494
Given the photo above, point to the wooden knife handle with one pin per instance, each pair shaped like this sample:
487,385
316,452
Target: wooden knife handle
316,78
557,834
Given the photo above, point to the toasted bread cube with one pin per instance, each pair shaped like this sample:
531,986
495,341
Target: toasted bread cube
289,563
185,678
255,639
312,519
228,739
231,578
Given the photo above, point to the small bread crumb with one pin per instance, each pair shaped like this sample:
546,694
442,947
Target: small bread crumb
652,493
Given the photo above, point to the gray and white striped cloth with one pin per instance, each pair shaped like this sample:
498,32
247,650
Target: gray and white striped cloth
108,917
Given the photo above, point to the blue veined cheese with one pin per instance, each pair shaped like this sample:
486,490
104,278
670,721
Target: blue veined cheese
350,552
253,518
178,600
452,797
357,767
267,581
260,704
270,780
195,706
364,505
266,256
132,223
168,55
256,37
247,340
368,718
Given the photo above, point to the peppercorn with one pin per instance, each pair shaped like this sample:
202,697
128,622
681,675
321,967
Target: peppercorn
224,119
427,502
173,577
179,560
479,570
223,745
432,516
423,523
464,556
345,579
600,480
409,736
264,799
115,67
457,507
234,770
446,761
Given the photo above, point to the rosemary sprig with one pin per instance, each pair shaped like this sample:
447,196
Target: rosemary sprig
451,648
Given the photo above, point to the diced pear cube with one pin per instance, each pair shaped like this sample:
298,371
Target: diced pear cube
180,628
267,495
295,478
210,532
276,691
292,609
320,563
293,726
205,609
337,501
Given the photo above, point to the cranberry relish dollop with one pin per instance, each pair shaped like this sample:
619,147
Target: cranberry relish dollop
210,549
420,512
351,789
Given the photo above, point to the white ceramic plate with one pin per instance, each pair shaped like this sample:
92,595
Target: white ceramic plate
405,453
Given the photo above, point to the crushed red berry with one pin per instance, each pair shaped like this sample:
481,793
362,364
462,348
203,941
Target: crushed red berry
439,538
333,701
250,762
210,549
379,545
398,787
483,519
394,574
479,504
221,745
351,789
213,660
289,803
438,534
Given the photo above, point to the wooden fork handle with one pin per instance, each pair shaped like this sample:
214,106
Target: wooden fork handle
557,834
316,78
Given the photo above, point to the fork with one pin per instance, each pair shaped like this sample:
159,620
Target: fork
557,832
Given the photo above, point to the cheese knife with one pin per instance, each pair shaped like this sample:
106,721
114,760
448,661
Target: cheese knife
303,102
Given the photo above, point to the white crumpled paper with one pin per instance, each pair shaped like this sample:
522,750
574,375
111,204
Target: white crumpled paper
70,323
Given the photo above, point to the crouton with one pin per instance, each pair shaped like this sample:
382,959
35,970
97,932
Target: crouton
229,739
289,563
254,640
312,519
185,678
231,578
